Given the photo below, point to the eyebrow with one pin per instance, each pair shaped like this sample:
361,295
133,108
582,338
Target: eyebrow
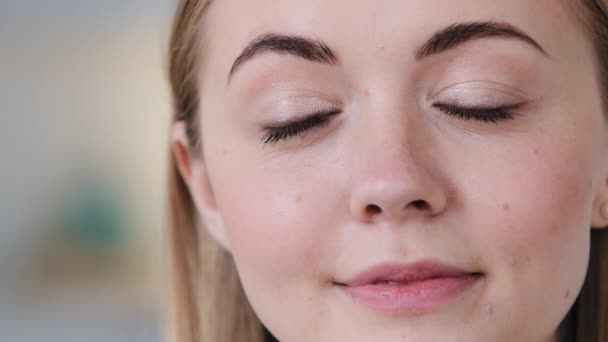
459,33
303,47
317,51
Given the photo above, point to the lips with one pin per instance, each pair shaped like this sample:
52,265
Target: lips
396,274
414,288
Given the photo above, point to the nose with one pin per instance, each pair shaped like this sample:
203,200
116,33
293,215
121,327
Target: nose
396,175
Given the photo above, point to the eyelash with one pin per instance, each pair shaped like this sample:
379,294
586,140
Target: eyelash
490,114
289,130
319,119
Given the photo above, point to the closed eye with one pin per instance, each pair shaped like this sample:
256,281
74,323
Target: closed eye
484,114
299,127
275,134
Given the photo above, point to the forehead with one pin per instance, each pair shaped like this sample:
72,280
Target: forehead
368,18
355,28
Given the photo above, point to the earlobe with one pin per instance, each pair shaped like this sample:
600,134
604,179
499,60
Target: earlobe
196,178
600,215
179,148
204,200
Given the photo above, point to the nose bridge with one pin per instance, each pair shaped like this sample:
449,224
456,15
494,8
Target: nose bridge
395,168
387,145
384,155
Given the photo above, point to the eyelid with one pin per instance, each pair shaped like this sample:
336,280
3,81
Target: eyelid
298,126
296,106
478,93
290,113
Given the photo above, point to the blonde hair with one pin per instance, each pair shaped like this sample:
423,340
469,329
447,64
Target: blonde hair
207,300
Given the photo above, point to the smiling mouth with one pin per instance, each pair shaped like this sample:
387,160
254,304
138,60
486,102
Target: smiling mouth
411,283
415,288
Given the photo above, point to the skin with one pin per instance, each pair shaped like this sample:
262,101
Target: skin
515,200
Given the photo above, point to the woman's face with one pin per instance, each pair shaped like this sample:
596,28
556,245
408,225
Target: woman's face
479,146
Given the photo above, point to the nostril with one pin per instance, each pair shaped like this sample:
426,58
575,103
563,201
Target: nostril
420,204
373,209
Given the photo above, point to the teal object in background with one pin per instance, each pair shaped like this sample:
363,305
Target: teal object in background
96,218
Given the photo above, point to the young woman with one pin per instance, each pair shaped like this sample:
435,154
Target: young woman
390,170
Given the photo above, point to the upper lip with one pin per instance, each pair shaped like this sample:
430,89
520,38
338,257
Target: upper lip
403,274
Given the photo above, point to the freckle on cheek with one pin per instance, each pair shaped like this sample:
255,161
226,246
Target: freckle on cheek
506,207
490,309
298,199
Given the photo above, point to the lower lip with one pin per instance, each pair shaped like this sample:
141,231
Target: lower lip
416,297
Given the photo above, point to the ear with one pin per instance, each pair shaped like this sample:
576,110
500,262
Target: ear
192,168
599,215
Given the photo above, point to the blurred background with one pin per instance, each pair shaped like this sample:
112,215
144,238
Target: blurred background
84,108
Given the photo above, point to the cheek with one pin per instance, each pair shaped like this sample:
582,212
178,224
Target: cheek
537,226
545,221
549,204
276,222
